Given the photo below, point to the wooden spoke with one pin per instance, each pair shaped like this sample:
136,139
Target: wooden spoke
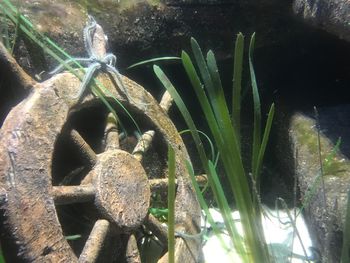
132,251
88,154
69,178
157,229
158,184
95,241
143,144
111,133
202,179
166,101
63,195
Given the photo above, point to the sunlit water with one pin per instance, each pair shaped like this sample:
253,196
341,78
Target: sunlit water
280,235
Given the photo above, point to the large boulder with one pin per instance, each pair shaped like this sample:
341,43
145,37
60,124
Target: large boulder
331,15
324,198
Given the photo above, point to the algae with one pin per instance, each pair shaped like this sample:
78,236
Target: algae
306,135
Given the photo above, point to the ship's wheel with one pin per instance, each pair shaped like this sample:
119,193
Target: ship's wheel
77,187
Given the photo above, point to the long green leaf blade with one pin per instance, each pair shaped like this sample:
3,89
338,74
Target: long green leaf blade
152,60
237,86
183,109
188,119
264,143
257,111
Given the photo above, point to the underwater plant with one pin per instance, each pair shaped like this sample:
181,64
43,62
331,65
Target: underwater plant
225,129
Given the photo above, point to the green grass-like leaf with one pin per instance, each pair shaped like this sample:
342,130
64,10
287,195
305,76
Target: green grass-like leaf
211,145
73,237
237,86
257,113
152,60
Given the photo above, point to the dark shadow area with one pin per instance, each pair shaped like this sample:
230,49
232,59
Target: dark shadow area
309,69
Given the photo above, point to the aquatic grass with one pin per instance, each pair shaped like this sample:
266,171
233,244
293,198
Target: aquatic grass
259,145
238,243
237,85
251,247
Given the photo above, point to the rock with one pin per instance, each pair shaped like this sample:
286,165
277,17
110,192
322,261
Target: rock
331,15
142,29
325,210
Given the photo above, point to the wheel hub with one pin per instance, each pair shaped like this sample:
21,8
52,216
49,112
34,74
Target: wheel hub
122,189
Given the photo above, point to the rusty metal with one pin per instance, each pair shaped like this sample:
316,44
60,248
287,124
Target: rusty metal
115,192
